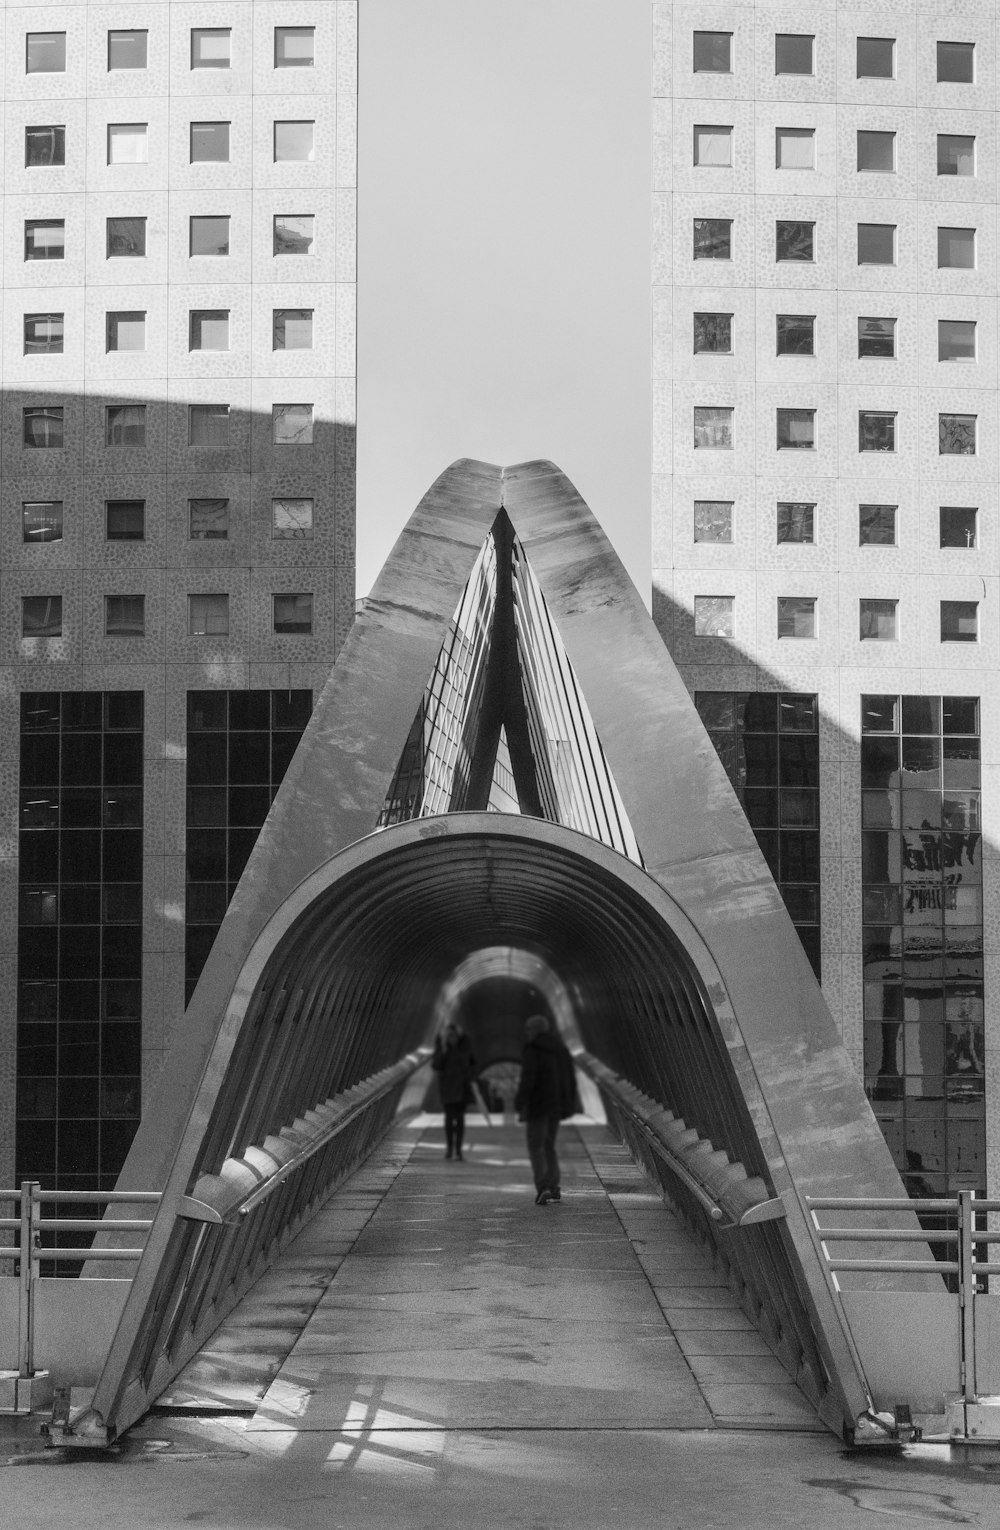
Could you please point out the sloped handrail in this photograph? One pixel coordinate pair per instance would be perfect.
(244, 1181)
(720, 1184)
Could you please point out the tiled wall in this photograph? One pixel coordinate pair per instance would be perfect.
(835, 570)
(250, 377)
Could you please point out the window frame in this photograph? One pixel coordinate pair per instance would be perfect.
(968, 511)
(201, 411)
(56, 519)
(197, 134)
(31, 226)
(793, 611)
(128, 624)
(878, 619)
(960, 355)
(799, 515)
(697, 68)
(957, 420)
(705, 135)
(785, 418)
(879, 75)
(713, 430)
(784, 136)
(124, 254)
(952, 614)
(289, 627)
(198, 319)
(291, 533)
(797, 37)
(875, 354)
(219, 619)
(293, 159)
(953, 165)
(869, 229)
(886, 420)
(285, 30)
(133, 32)
(196, 506)
(724, 605)
(876, 137)
(806, 323)
(954, 78)
(698, 252)
(206, 218)
(789, 223)
(136, 425)
(952, 229)
(45, 349)
(129, 511)
(58, 145)
(36, 37)
(113, 320)
(203, 32)
(876, 541)
(53, 627)
(120, 129)
(709, 330)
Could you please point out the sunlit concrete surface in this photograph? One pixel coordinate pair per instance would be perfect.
(436, 1350)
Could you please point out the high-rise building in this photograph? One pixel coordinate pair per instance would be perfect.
(825, 506)
(178, 509)
(178, 512)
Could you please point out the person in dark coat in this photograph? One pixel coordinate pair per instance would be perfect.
(546, 1095)
(455, 1067)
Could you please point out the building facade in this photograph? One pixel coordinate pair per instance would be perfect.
(177, 479)
(825, 507)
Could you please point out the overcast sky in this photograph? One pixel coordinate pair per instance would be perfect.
(503, 259)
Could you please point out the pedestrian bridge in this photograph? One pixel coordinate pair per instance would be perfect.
(506, 760)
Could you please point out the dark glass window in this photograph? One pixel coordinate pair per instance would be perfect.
(127, 50)
(877, 525)
(957, 435)
(713, 239)
(43, 334)
(713, 332)
(796, 429)
(958, 525)
(44, 238)
(293, 613)
(713, 520)
(124, 615)
(209, 234)
(959, 621)
(877, 337)
(876, 58)
(956, 63)
(294, 233)
(793, 52)
(45, 53)
(795, 521)
(210, 142)
(125, 425)
(45, 145)
(876, 430)
(796, 334)
(43, 425)
(713, 52)
(126, 237)
(794, 240)
(125, 520)
(42, 520)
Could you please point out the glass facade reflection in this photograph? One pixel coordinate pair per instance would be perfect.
(769, 743)
(923, 936)
(239, 745)
(502, 725)
(79, 986)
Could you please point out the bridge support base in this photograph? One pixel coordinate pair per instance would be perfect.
(976, 1422)
(25, 1394)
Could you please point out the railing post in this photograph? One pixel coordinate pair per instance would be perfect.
(28, 1276)
(967, 1291)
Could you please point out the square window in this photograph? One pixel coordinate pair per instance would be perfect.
(294, 141)
(126, 237)
(794, 240)
(292, 329)
(958, 525)
(209, 234)
(125, 520)
(292, 519)
(294, 233)
(956, 340)
(126, 330)
(796, 616)
(208, 615)
(41, 616)
(208, 425)
(713, 428)
(42, 425)
(713, 53)
(128, 143)
(211, 47)
(876, 58)
(713, 239)
(44, 145)
(43, 334)
(796, 429)
(956, 154)
(294, 47)
(795, 148)
(876, 430)
(877, 525)
(876, 151)
(208, 520)
(713, 145)
(714, 616)
(957, 435)
(42, 520)
(793, 52)
(877, 621)
(956, 63)
(796, 334)
(713, 333)
(292, 424)
(293, 613)
(959, 621)
(957, 249)
(127, 50)
(124, 615)
(44, 239)
(796, 521)
(876, 244)
(125, 425)
(876, 337)
(45, 53)
(208, 329)
(713, 520)
(210, 143)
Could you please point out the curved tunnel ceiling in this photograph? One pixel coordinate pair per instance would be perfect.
(368, 957)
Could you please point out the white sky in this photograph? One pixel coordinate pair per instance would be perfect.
(503, 254)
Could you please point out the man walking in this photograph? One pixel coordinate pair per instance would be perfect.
(546, 1095)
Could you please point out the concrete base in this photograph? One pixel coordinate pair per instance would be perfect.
(977, 1422)
(25, 1394)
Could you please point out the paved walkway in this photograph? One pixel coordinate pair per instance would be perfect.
(456, 1302)
(435, 1352)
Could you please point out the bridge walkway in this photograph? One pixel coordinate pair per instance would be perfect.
(430, 1295)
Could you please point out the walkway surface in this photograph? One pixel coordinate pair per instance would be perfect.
(436, 1350)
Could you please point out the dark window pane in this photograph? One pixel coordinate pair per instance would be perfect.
(123, 760)
(960, 714)
(713, 238)
(39, 760)
(248, 759)
(921, 714)
(206, 759)
(877, 525)
(249, 805)
(126, 237)
(291, 709)
(713, 332)
(249, 711)
(206, 855)
(80, 855)
(206, 806)
(958, 525)
(879, 761)
(794, 240)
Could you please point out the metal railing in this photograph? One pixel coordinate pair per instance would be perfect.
(962, 1270)
(30, 1253)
